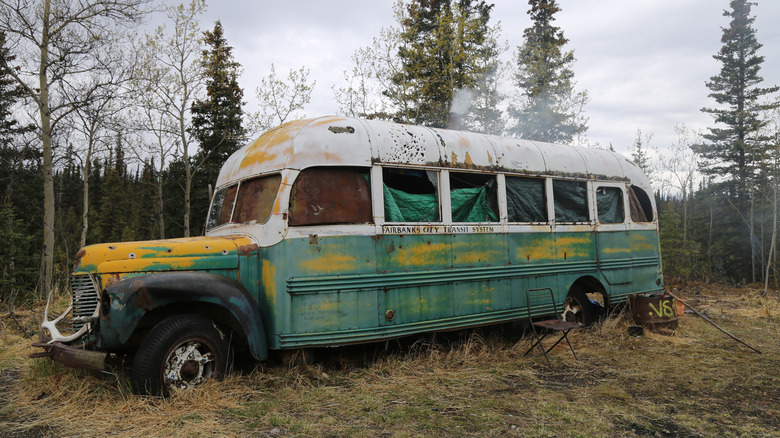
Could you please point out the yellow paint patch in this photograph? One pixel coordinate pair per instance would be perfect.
(454, 158)
(547, 249)
(329, 264)
(422, 254)
(468, 159)
(574, 246)
(640, 243)
(616, 250)
(269, 281)
(476, 256)
(179, 253)
(329, 306)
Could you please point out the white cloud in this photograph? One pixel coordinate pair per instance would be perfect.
(643, 62)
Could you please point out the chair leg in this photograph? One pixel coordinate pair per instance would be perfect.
(564, 336)
(570, 347)
(538, 342)
(557, 342)
(541, 347)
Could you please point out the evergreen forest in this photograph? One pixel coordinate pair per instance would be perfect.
(104, 140)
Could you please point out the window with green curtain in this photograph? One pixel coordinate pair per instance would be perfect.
(609, 203)
(570, 200)
(473, 197)
(411, 195)
(401, 206)
(471, 205)
(526, 200)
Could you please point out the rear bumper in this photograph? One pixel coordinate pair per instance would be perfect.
(72, 356)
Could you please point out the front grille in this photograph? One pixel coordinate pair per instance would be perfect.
(86, 298)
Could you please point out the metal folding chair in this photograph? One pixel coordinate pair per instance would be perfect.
(545, 298)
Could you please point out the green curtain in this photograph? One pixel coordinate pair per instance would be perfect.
(525, 200)
(571, 201)
(410, 207)
(471, 205)
(609, 201)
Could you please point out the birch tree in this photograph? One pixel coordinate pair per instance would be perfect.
(281, 99)
(56, 42)
(171, 78)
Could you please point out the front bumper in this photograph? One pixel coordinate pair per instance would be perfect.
(72, 356)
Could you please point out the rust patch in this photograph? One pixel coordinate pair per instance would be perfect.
(247, 249)
(79, 255)
(330, 196)
(142, 299)
(113, 279)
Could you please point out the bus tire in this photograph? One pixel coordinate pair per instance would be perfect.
(578, 308)
(180, 352)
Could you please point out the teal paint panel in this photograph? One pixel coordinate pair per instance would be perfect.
(615, 257)
(413, 252)
(481, 297)
(330, 256)
(333, 311)
(480, 250)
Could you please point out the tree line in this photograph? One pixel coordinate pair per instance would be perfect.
(105, 136)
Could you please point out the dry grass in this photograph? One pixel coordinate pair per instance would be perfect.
(697, 382)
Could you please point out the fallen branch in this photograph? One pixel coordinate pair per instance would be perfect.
(714, 325)
(18, 324)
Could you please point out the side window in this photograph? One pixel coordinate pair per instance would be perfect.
(256, 199)
(221, 206)
(609, 203)
(571, 201)
(526, 199)
(411, 195)
(473, 197)
(640, 205)
(331, 195)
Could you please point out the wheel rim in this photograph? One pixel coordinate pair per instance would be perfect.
(189, 363)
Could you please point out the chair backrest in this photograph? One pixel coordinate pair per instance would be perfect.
(542, 301)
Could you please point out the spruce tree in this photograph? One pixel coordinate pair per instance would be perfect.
(548, 109)
(216, 120)
(17, 263)
(734, 145)
(442, 42)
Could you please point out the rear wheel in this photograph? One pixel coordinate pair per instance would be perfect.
(180, 352)
(578, 308)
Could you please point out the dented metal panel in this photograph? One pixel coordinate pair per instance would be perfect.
(404, 144)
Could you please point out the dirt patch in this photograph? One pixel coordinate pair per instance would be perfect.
(571, 378)
(14, 427)
(656, 428)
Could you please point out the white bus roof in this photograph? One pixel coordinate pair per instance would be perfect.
(346, 141)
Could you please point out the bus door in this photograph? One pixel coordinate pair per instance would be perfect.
(613, 238)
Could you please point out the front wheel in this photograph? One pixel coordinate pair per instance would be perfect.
(180, 352)
(578, 308)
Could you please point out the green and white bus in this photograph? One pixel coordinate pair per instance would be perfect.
(337, 230)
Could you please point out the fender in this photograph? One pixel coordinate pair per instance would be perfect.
(128, 300)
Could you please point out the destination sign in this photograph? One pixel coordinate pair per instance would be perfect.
(437, 229)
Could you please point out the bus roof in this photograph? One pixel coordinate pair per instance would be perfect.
(346, 141)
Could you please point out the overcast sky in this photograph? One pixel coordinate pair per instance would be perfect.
(643, 62)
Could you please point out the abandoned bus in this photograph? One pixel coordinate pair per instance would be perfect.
(336, 230)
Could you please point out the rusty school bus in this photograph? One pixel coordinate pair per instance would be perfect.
(335, 230)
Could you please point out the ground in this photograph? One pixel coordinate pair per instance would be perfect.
(695, 382)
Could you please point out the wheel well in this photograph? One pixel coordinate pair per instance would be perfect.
(210, 311)
(589, 285)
